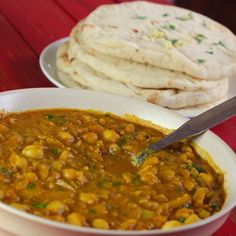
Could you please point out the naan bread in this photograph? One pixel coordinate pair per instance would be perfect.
(137, 74)
(197, 110)
(164, 36)
(171, 98)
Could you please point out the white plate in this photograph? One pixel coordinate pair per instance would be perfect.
(47, 61)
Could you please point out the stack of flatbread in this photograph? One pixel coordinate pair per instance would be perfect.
(166, 55)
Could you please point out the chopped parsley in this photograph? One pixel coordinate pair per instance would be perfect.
(140, 17)
(4, 171)
(200, 61)
(220, 44)
(54, 151)
(39, 205)
(56, 119)
(116, 183)
(210, 52)
(200, 37)
(169, 27)
(91, 211)
(185, 17)
(181, 220)
(31, 186)
(165, 14)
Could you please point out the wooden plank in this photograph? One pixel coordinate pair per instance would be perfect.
(74, 8)
(18, 64)
(39, 22)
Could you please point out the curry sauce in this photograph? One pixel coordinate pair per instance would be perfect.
(75, 166)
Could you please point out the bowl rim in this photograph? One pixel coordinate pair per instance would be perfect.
(47, 222)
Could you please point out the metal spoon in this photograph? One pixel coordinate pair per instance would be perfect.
(193, 127)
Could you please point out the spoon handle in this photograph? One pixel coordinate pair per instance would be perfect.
(193, 127)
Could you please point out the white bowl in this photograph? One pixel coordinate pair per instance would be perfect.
(21, 223)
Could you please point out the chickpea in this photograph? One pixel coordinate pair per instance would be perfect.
(90, 137)
(76, 219)
(130, 128)
(114, 148)
(34, 151)
(199, 196)
(110, 135)
(65, 136)
(183, 213)
(43, 171)
(191, 219)
(89, 198)
(31, 176)
(57, 207)
(69, 174)
(21, 207)
(128, 224)
(2, 194)
(204, 214)
(57, 165)
(100, 224)
(171, 224)
(17, 161)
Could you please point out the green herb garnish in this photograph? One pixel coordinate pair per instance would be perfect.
(116, 183)
(54, 151)
(169, 27)
(181, 220)
(210, 52)
(31, 186)
(165, 14)
(200, 37)
(200, 169)
(57, 119)
(219, 44)
(140, 17)
(4, 171)
(185, 17)
(200, 61)
(215, 206)
(124, 139)
(137, 181)
(39, 205)
(92, 211)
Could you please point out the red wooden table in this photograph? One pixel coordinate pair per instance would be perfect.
(27, 26)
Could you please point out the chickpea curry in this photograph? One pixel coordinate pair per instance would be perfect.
(75, 166)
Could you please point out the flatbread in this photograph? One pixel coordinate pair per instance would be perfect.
(137, 74)
(171, 98)
(164, 36)
(85, 76)
(197, 110)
